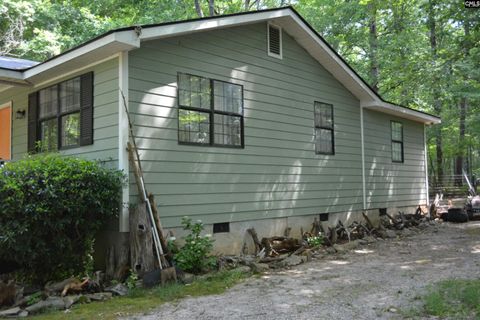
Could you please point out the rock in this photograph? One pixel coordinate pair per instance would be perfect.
(342, 248)
(259, 267)
(99, 296)
(331, 250)
(390, 234)
(70, 300)
(51, 302)
(370, 239)
(243, 269)
(407, 232)
(188, 278)
(290, 261)
(119, 289)
(10, 312)
(22, 314)
(307, 254)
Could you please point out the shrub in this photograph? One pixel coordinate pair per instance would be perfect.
(194, 256)
(51, 207)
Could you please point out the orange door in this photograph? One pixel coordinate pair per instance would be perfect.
(5, 132)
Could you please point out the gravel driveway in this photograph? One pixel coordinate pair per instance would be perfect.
(375, 281)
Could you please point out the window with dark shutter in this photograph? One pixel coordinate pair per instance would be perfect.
(397, 141)
(324, 137)
(274, 41)
(61, 116)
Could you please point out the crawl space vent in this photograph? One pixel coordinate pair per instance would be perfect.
(221, 227)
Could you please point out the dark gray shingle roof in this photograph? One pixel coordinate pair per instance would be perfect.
(15, 63)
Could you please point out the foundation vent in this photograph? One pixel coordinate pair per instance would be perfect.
(222, 227)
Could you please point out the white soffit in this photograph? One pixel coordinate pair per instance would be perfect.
(402, 112)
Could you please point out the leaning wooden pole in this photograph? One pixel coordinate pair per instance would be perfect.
(138, 172)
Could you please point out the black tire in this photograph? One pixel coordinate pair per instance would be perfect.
(457, 215)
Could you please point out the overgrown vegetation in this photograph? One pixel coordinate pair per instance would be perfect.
(143, 300)
(195, 256)
(459, 299)
(51, 207)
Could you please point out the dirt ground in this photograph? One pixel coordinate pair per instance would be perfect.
(376, 281)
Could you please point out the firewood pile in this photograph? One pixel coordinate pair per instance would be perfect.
(20, 301)
(285, 251)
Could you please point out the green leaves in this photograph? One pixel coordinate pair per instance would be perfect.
(194, 256)
(51, 207)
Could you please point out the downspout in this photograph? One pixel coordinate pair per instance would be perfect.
(364, 189)
(426, 163)
(123, 138)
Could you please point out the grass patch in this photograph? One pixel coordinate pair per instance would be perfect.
(458, 299)
(144, 300)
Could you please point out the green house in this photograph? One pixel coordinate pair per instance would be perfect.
(244, 120)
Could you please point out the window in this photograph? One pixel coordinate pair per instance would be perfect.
(324, 139)
(274, 40)
(210, 112)
(397, 141)
(61, 116)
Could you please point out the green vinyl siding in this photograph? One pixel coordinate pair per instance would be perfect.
(105, 145)
(389, 183)
(277, 174)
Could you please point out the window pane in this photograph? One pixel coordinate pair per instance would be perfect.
(323, 140)
(71, 130)
(49, 135)
(323, 115)
(70, 95)
(193, 91)
(397, 131)
(397, 151)
(48, 102)
(227, 97)
(228, 130)
(193, 126)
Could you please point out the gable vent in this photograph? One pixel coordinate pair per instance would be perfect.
(274, 41)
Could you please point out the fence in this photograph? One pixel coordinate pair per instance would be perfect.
(449, 185)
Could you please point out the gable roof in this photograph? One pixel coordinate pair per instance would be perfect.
(128, 38)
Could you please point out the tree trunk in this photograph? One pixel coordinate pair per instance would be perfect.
(373, 43)
(461, 142)
(211, 8)
(459, 160)
(141, 241)
(247, 5)
(437, 104)
(198, 8)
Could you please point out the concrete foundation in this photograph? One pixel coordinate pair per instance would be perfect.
(238, 240)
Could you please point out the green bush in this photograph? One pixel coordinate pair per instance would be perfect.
(51, 207)
(195, 256)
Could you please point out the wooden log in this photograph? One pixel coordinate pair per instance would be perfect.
(258, 245)
(158, 225)
(8, 293)
(367, 219)
(141, 241)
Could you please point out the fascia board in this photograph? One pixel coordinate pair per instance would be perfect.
(402, 112)
(123, 40)
(167, 31)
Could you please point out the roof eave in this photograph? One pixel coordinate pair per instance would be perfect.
(402, 112)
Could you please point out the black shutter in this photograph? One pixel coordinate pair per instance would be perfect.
(86, 109)
(32, 122)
